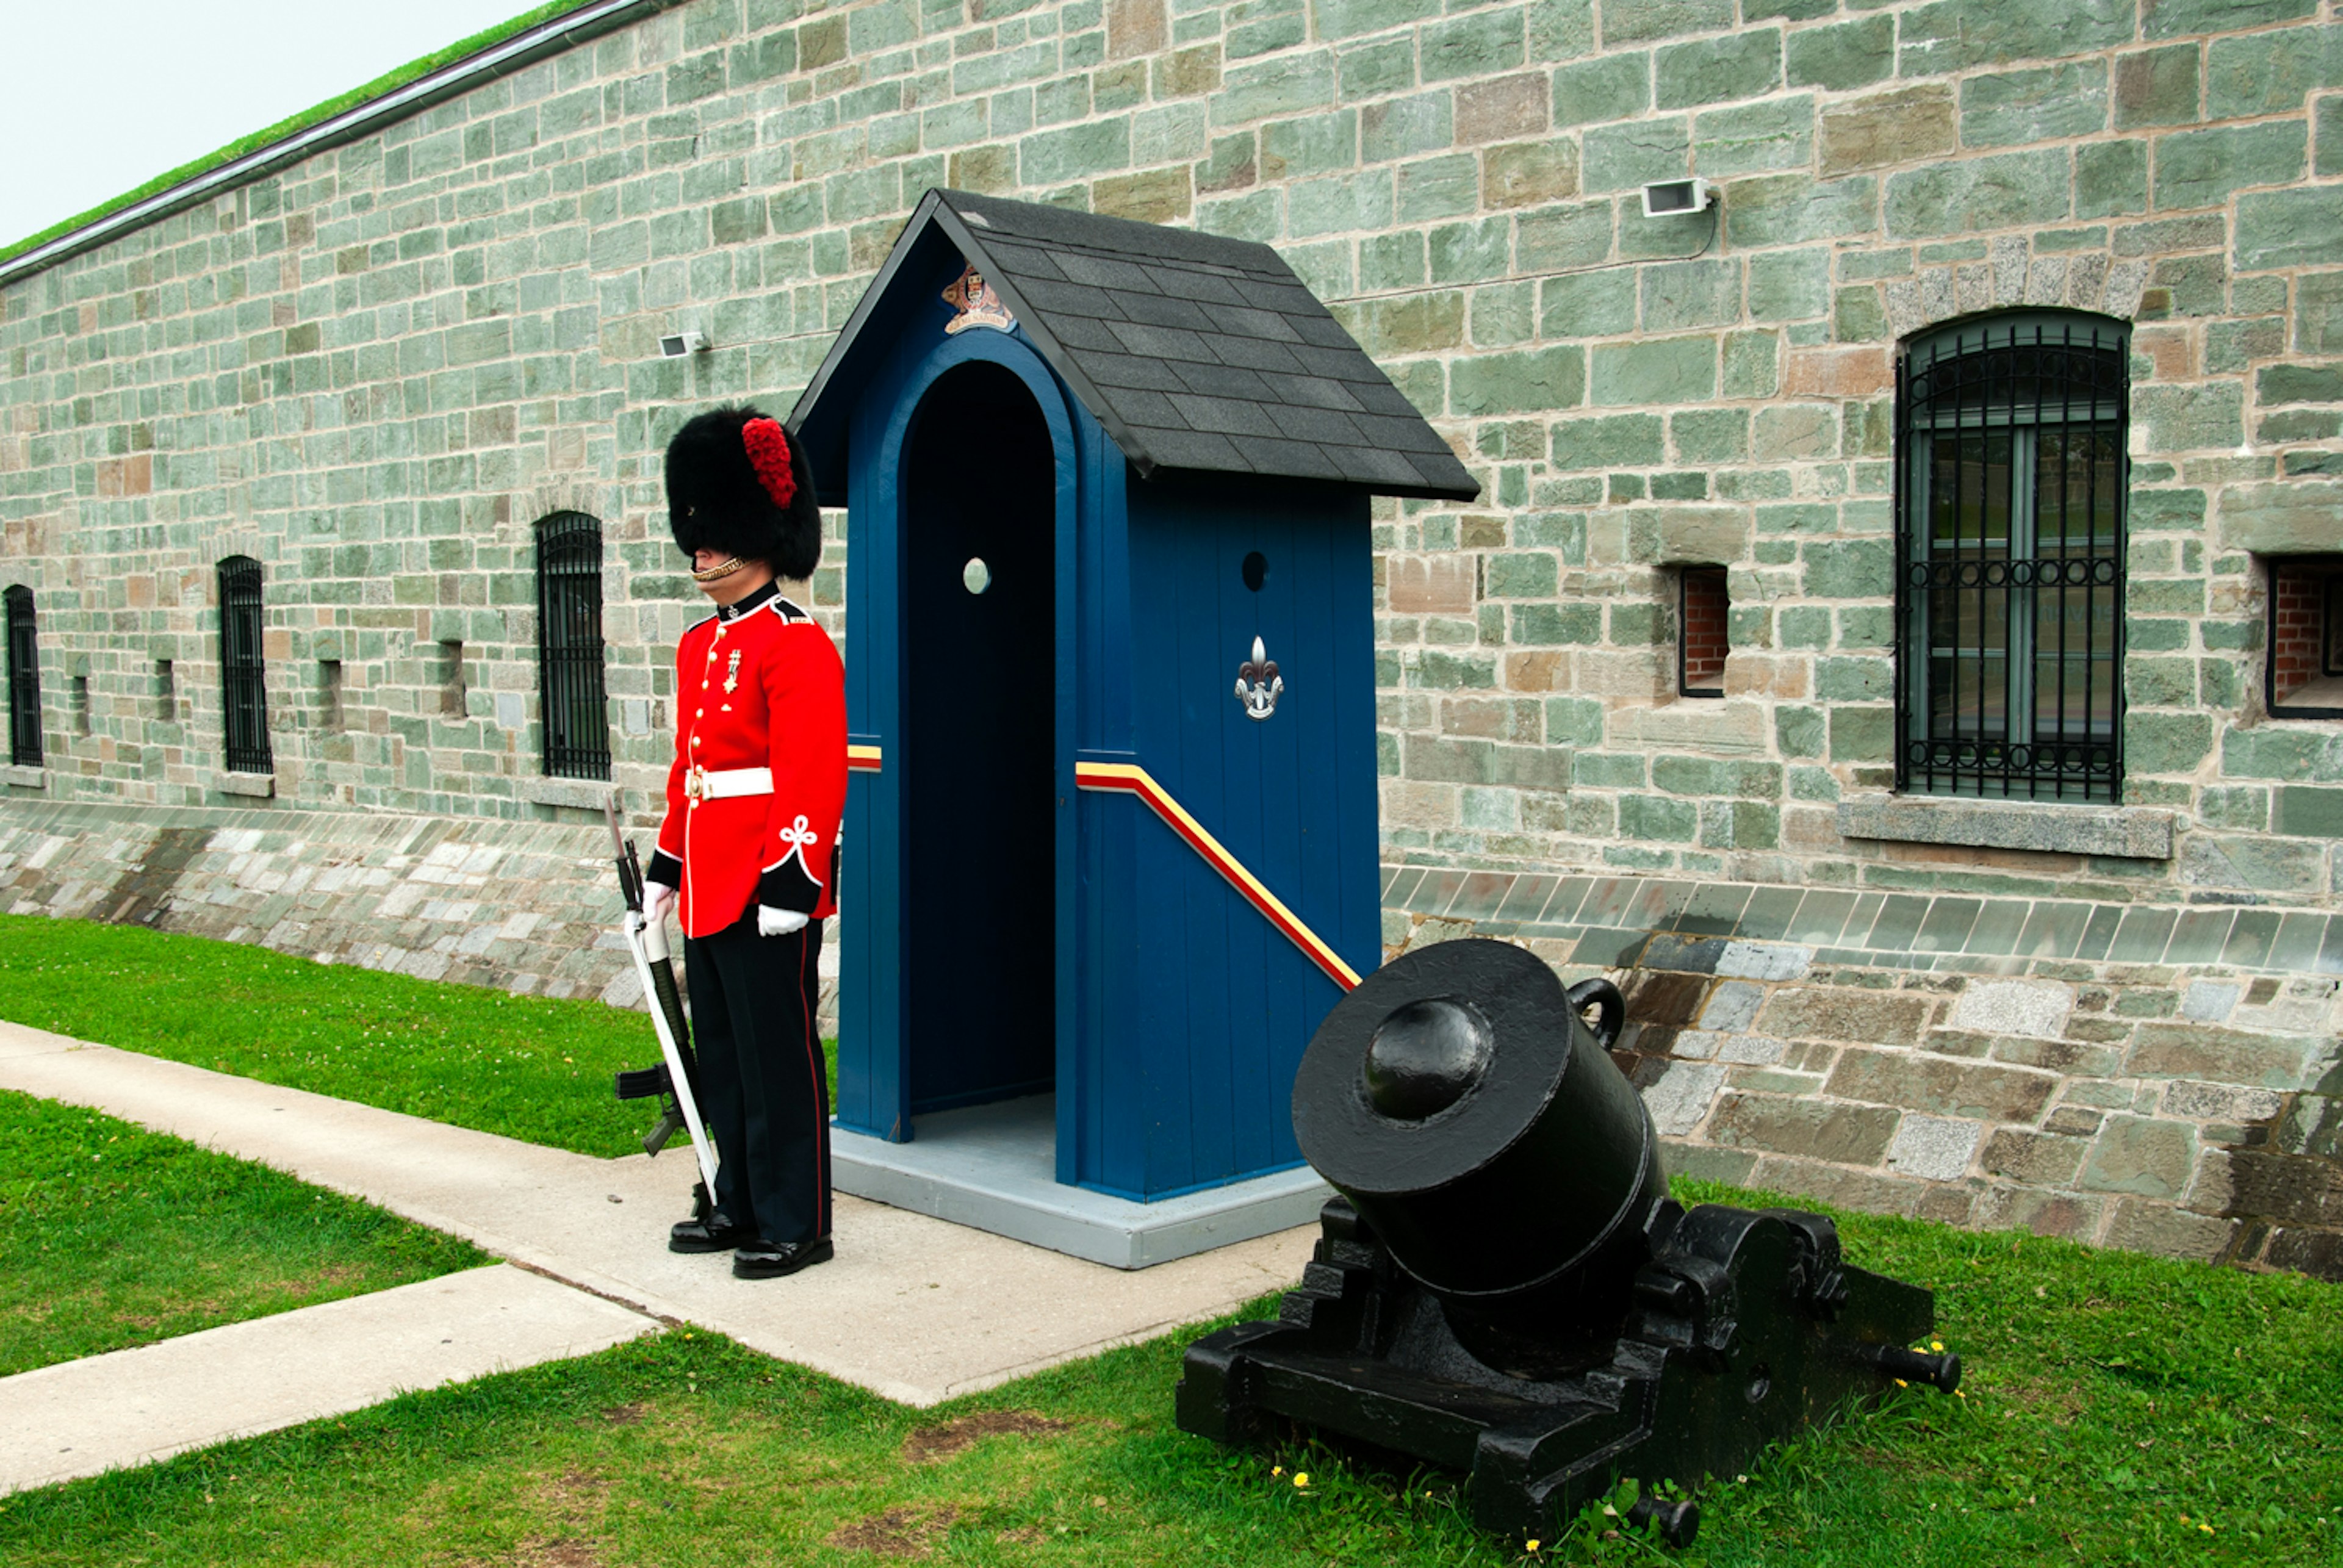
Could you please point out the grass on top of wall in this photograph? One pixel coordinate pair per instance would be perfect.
(2120, 1409)
(112, 1236)
(387, 82)
(531, 1068)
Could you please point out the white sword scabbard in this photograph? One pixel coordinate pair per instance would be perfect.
(638, 937)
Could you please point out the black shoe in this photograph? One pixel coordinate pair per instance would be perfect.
(771, 1259)
(714, 1234)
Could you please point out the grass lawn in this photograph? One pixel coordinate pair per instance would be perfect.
(112, 1236)
(2120, 1410)
(527, 1067)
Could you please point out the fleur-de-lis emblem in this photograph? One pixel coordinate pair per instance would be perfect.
(732, 673)
(1258, 684)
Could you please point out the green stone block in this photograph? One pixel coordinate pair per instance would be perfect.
(2299, 384)
(2236, 635)
(1639, 20)
(2270, 73)
(1951, 35)
(2236, 808)
(1625, 487)
(2220, 684)
(2153, 510)
(1406, 126)
(1850, 569)
(1338, 205)
(1611, 441)
(1797, 209)
(1665, 370)
(2309, 812)
(2156, 87)
(1529, 575)
(1754, 138)
(1640, 625)
(1388, 261)
(1708, 776)
(1657, 817)
(1805, 627)
(2167, 742)
(2165, 596)
(1741, 825)
(1751, 365)
(2328, 139)
(1853, 680)
(1356, 18)
(1587, 303)
(1628, 157)
(1537, 379)
(1438, 671)
(2159, 682)
(1798, 729)
(1740, 65)
(2006, 108)
(1561, 29)
(1554, 624)
(1443, 188)
(1679, 486)
(1799, 517)
(2110, 179)
(2317, 312)
(1265, 37)
(1862, 734)
(2179, 18)
(1846, 55)
(1611, 88)
(1688, 293)
(1558, 237)
(1574, 722)
(2230, 346)
(1371, 70)
(1710, 435)
(1599, 770)
(1478, 44)
(1978, 194)
(2189, 418)
(1314, 145)
(2157, 636)
(2204, 168)
(1265, 89)
(1790, 286)
(2300, 425)
(1049, 157)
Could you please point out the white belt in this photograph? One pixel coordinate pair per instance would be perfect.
(719, 783)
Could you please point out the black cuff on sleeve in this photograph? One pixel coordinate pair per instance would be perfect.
(665, 870)
(787, 887)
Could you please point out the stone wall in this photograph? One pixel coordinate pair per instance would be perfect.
(375, 370)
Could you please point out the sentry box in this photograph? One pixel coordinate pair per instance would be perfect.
(1109, 853)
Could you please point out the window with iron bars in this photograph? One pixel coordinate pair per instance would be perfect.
(569, 646)
(23, 680)
(242, 670)
(2010, 484)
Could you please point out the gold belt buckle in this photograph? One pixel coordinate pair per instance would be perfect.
(695, 786)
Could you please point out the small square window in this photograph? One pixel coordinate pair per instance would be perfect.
(1702, 609)
(2305, 636)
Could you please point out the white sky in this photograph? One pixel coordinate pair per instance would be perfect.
(96, 105)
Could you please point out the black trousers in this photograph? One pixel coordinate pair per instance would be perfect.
(762, 1090)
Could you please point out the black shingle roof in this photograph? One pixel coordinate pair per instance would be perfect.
(1194, 351)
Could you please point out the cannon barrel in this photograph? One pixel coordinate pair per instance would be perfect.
(1462, 1106)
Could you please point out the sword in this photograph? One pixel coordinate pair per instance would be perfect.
(672, 1079)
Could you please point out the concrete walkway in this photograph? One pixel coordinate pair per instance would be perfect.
(134, 1406)
(914, 1309)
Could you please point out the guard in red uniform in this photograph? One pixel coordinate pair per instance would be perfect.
(749, 852)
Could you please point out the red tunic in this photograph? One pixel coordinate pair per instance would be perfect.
(763, 688)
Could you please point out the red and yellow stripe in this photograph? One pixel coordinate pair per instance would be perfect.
(862, 760)
(1132, 780)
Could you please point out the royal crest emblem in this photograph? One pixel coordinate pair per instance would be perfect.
(977, 305)
(1259, 684)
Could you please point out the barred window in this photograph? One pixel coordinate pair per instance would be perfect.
(23, 680)
(569, 646)
(241, 668)
(2009, 559)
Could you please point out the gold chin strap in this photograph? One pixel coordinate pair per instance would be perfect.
(720, 571)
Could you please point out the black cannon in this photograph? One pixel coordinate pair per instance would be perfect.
(1503, 1285)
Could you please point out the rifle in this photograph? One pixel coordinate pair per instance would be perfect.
(673, 1079)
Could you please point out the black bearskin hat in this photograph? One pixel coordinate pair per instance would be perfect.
(739, 485)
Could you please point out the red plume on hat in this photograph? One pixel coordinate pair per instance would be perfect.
(737, 484)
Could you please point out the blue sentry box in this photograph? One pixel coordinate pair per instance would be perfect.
(1088, 465)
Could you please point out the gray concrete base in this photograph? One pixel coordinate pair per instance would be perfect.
(994, 1168)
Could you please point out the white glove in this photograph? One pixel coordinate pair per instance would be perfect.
(773, 922)
(658, 899)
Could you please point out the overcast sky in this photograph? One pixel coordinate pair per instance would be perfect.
(98, 104)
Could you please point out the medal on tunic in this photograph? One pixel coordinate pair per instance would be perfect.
(732, 672)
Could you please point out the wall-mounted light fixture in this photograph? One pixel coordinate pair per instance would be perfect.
(675, 344)
(1668, 198)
